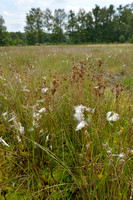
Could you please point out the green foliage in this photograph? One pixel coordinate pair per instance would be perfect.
(101, 25)
(34, 26)
(47, 157)
(3, 33)
(121, 39)
(130, 39)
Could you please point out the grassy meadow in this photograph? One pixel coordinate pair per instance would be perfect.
(66, 122)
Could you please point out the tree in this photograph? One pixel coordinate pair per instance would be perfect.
(58, 24)
(71, 26)
(48, 19)
(81, 25)
(89, 27)
(3, 32)
(34, 26)
(48, 23)
(96, 12)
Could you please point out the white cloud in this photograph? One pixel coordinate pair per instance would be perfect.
(14, 22)
(24, 2)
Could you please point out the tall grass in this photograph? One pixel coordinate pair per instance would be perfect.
(57, 141)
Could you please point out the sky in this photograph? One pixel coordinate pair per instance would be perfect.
(14, 11)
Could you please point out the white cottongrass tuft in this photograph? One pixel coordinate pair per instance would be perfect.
(81, 125)
(3, 142)
(25, 89)
(31, 129)
(36, 124)
(109, 151)
(19, 127)
(112, 116)
(130, 151)
(79, 116)
(44, 90)
(121, 155)
(18, 77)
(18, 138)
(96, 87)
(44, 77)
(79, 112)
(42, 110)
(4, 115)
(37, 115)
(40, 100)
(47, 138)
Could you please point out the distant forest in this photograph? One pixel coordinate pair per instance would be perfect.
(101, 25)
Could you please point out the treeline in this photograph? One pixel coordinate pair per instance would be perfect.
(101, 25)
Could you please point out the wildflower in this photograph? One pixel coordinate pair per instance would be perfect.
(44, 90)
(121, 129)
(81, 125)
(132, 120)
(3, 142)
(100, 176)
(112, 116)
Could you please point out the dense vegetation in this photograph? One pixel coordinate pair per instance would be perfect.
(101, 25)
(66, 122)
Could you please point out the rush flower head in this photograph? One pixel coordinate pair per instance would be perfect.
(112, 116)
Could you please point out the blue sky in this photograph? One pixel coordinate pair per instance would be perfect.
(14, 11)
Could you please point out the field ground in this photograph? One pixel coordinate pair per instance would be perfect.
(66, 122)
